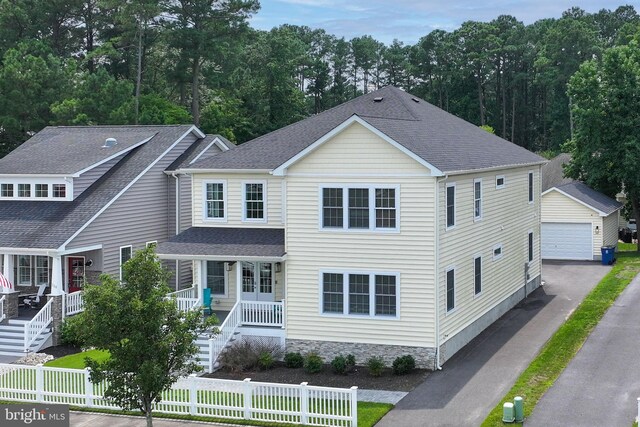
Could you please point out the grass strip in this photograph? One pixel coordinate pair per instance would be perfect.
(568, 339)
(76, 361)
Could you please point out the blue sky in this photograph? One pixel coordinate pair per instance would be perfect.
(408, 20)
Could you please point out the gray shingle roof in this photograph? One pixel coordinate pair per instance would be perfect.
(223, 241)
(185, 159)
(442, 139)
(591, 197)
(553, 172)
(65, 150)
(48, 224)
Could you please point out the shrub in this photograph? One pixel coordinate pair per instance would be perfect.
(293, 360)
(313, 363)
(351, 362)
(266, 360)
(404, 364)
(249, 354)
(339, 365)
(376, 366)
(72, 331)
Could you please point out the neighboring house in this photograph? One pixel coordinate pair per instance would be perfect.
(383, 226)
(76, 202)
(576, 219)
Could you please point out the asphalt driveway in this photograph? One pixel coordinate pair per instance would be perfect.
(473, 381)
(601, 384)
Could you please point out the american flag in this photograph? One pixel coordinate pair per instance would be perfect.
(5, 283)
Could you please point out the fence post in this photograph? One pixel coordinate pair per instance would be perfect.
(247, 397)
(193, 394)
(304, 403)
(354, 406)
(39, 383)
(88, 388)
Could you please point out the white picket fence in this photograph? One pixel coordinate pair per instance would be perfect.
(74, 303)
(209, 397)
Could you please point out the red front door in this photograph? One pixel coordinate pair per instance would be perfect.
(76, 274)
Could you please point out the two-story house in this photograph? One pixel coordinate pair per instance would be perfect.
(383, 226)
(76, 202)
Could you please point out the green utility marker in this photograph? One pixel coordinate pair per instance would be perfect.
(507, 413)
(518, 406)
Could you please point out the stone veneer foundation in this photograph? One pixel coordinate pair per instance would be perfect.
(425, 356)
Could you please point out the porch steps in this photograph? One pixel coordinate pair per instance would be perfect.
(12, 338)
(203, 354)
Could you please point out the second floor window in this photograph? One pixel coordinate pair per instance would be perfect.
(359, 208)
(254, 201)
(477, 199)
(59, 190)
(451, 205)
(6, 190)
(24, 190)
(214, 195)
(42, 190)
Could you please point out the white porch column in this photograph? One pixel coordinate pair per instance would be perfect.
(198, 276)
(56, 275)
(7, 271)
(238, 281)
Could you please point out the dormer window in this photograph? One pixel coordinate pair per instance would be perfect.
(6, 190)
(59, 190)
(24, 190)
(37, 189)
(42, 190)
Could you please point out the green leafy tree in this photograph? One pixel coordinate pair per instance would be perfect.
(605, 106)
(150, 341)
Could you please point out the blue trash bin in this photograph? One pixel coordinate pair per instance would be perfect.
(608, 254)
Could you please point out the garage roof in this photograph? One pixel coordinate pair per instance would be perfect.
(586, 195)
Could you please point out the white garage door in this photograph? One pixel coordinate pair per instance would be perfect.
(566, 240)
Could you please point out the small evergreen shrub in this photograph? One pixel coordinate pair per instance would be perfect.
(376, 366)
(339, 365)
(351, 362)
(72, 331)
(313, 363)
(293, 360)
(266, 361)
(404, 364)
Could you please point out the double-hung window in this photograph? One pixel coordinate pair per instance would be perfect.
(216, 277)
(477, 199)
(530, 187)
(42, 270)
(366, 207)
(451, 289)
(477, 274)
(254, 204)
(451, 205)
(359, 294)
(530, 246)
(24, 270)
(126, 252)
(215, 206)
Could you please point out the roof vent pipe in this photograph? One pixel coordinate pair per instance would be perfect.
(378, 99)
(109, 142)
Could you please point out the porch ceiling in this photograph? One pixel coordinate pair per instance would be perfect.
(228, 243)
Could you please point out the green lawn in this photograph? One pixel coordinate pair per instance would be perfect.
(76, 361)
(627, 247)
(567, 340)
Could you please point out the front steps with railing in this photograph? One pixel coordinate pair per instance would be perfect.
(12, 338)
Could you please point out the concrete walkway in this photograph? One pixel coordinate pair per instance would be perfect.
(476, 378)
(88, 419)
(381, 396)
(601, 384)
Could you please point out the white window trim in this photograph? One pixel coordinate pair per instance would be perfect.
(244, 201)
(226, 279)
(446, 206)
(479, 217)
(31, 181)
(479, 294)
(455, 296)
(530, 177)
(372, 208)
(497, 257)
(504, 182)
(120, 257)
(19, 281)
(205, 218)
(345, 291)
(152, 242)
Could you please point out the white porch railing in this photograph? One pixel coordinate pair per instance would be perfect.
(187, 299)
(2, 300)
(36, 326)
(262, 313)
(208, 397)
(225, 333)
(74, 303)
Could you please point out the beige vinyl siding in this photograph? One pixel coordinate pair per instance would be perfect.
(610, 229)
(507, 217)
(357, 156)
(557, 207)
(234, 200)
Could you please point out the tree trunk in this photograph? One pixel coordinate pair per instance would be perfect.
(480, 102)
(504, 109)
(149, 417)
(513, 115)
(139, 71)
(195, 91)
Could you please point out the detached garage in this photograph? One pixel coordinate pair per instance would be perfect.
(577, 221)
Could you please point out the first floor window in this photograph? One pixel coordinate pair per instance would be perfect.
(42, 190)
(215, 200)
(451, 289)
(530, 246)
(360, 294)
(6, 190)
(254, 201)
(126, 252)
(59, 190)
(24, 270)
(42, 270)
(216, 277)
(24, 190)
(477, 274)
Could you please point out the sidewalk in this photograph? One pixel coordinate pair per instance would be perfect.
(601, 384)
(90, 419)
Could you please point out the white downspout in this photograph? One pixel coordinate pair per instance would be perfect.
(177, 227)
(437, 267)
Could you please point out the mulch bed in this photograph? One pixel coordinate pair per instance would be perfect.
(61, 350)
(359, 377)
